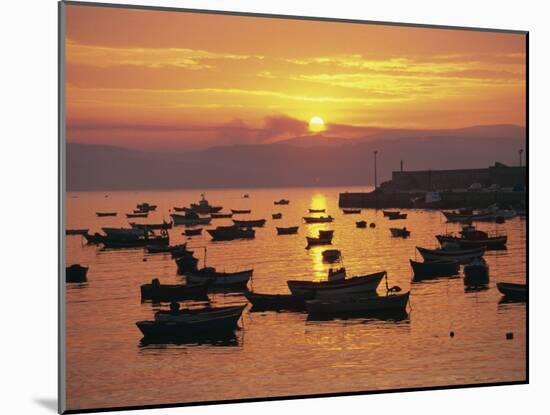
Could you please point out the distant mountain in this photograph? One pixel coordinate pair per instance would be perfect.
(315, 160)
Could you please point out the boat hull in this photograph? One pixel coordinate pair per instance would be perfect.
(182, 220)
(339, 288)
(76, 274)
(221, 279)
(370, 304)
(276, 301)
(461, 256)
(514, 292)
(164, 292)
(434, 269)
(288, 231)
(463, 243)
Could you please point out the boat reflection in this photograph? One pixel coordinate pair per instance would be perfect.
(193, 340)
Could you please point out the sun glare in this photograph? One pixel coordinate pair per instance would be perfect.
(316, 124)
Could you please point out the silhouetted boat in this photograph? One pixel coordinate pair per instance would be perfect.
(337, 287)
(156, 249)
(331, 255)
(372, 225)
(434, 268)
(351, 211)
(204, 207)
(513, 291)
(276, 301)
(96, 238)
(460, 255)
(476, 273)
(389, 214)
(76, 273)
(102, 214)
(240, 211)
(175, 323)
(372, 303)
(249, 223)
(470, 237)
(145, 207)
(189, 219)
(76, 231)
(173, 292)
(282, 202)
(329, 233)
(400, 232)
(490, 213)
(143, 241)
(152, 226)
(246, 196)
(277, 216)
(319, 240)
(193, 232)
(124, 233)
(137, 215)
(221, 215)
(317, 210)
(229, 233)
(288, 231)
(220, 279)
(361, 224)
(399, 216)
(321, 219)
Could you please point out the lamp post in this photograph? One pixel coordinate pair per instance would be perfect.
(375, 152)
(520, 151)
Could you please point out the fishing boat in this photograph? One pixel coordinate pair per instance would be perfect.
(229, 233)
(157, 249)
(288, 231)
(124, 233)
(361, 224)
(192, 232)
(276, 301)
(94, 239)
(282, 202)
(145, 207)
(319, 240)
(321, 219)
(513, 291)
(337, 287)
(189, 219)
(277, 216)
(470, 237)
(389, 214)
(329, 233)
(490, 213)
(175, 323)
(221, 215)
(460, 255)
(173, 292)
(76, 273)
(400, 232)
(476, 273)
(152, 226)
(434, 269)
(317, 210)
(137, 215)
(76, 231)
(204, 207)
(372, 225)
(103, 214)
(241, 211)
(398, 216)
(185, 261)
(237, 279)
(372, 303)
(246, 196)
(351, 211)
(249, 223)
(142, 241)
(331, 255)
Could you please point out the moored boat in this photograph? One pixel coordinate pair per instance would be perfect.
(189, 219)
(275, 301)
(249, 223)
(321, 219)
(287, 231)
(221, 215)
(204, 207)
(389, 214)
(398, 216)
(434, 269)
(460, 255)
(337, 287)
(470, 237)
(513, 291)
(145, 207)
(103, 214)
(361, 224)
(319, 240)
(176, 323)
(361, 304)
(241, 211)
(173, 292)
(124, 233)
(229, 233)
(192, 232)
(76, 273)
(152, 226)
(155, 249)
(142, 241)
(351, 211)
(237, 279)
(400, 232)
(282, 202)
(476, 273)
(137, 215)
(331, 255)
(277, 216)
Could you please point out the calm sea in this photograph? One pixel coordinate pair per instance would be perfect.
(283, 353)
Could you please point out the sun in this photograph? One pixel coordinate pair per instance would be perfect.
(316, 124)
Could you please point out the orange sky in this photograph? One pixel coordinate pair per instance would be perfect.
(152, 79)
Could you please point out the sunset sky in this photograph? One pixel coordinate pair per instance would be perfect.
(168, 80)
